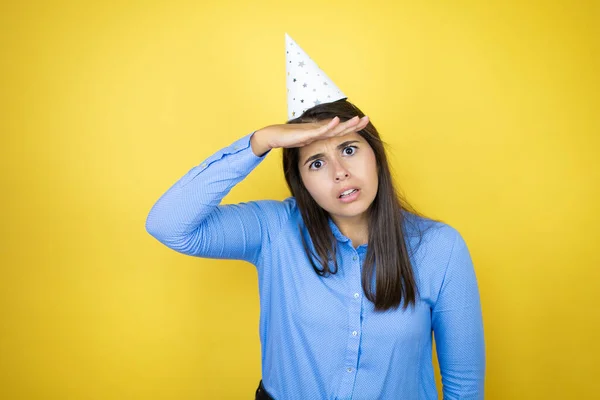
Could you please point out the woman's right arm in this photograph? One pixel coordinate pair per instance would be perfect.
(188, 217)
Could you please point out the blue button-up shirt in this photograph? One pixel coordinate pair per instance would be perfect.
(320, 336)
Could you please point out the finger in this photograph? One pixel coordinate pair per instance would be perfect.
(351, 123)
(333, 123)
(352, 126)
(312, 132)
(363, 122)
(324, 130)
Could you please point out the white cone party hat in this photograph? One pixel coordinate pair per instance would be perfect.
(307, 85)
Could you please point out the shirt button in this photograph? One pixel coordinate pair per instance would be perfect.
(236, 147)
(203, 165)
(354, 333)
(349, 369)
(354, 258)
(356, 295)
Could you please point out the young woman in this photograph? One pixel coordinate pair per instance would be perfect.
(352, 280)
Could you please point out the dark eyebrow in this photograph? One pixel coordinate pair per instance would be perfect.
(340, 146)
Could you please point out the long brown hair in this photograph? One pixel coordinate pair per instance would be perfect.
(387, 254)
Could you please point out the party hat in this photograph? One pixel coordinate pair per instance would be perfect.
(307, 85)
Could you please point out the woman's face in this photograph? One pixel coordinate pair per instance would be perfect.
(340, 173)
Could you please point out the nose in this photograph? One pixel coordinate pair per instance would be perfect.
(341, 173)
(341, 177)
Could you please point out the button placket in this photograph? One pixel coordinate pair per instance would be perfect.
(355, 305)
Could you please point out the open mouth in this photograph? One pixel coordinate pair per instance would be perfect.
(347, 193)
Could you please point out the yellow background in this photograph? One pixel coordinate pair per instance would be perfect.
(490, 112)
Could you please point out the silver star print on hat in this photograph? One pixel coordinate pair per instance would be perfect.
(307, 85)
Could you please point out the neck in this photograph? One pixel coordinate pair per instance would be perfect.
(355, 228)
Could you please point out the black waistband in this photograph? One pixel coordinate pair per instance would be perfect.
(261, 393)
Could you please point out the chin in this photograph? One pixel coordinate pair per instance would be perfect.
(350, 211)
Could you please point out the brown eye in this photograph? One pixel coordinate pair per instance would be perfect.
(316, 164)
(350, 150)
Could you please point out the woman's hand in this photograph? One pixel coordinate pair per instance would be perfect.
(298, 135)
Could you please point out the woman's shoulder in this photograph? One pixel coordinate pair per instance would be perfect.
(435, 235)
(288, 203)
